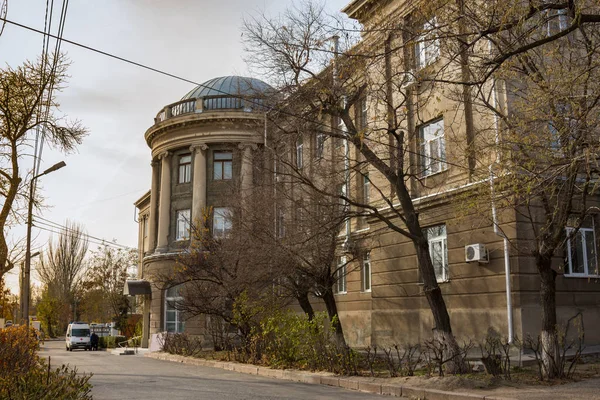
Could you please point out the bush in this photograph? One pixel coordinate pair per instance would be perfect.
(180, 343)
(23, 375)
(110, 342)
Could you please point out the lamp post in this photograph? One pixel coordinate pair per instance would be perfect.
(27, 270)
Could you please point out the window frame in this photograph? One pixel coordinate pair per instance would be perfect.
(221, 214)
(319, 145)
(299, 153)
(179, 323)
(425, 42)
(185, 169)
(443, 239)
(364, 276)
(222, 163)
(366, 188)
(183, 216)
(569, 260)
(426, 159)
(341, 286)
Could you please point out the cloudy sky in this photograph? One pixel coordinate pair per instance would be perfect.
(117, 102)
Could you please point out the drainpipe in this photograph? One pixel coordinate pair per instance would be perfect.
(497, 231)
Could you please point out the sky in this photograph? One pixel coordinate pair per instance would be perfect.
(117, 102)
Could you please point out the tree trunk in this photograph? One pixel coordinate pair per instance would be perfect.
(549, 339)
(331, 306)
(305, 304)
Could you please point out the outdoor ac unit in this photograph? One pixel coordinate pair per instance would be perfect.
(476, 253)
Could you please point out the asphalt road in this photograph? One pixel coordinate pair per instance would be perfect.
(137, 377)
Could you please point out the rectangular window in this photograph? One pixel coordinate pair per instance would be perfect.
(319, 145)
(173, 319)
(183, 225)
(222, 165)
(366, 273)
(280, 223)
(340, 276)
(366, 188)
(556, 21)
(581, 253)
(221, 222)
(428, 44)
(438, 250)
(185, 168)
(299, 153)
(433, 147)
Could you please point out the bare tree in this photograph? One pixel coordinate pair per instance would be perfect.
(25, 106)
(62, 266)
(295, 49)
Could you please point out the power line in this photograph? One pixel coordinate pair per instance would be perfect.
(95, 239)
(284, 112)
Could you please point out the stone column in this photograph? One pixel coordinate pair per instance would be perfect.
(153, 209)
(199, 183)
(146, 321)
(164, 210)
(246, 168)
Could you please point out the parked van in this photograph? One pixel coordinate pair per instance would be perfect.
(78, 336)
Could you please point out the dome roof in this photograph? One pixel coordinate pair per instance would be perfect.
(229, 86)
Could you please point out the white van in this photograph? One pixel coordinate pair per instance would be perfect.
(78, 336)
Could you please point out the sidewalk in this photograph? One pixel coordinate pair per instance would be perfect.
(364, 384)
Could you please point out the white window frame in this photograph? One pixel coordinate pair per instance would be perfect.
(225, 166)
(433, 134)
(183, 224)
(586, 263)
(366, 273)
(427, 49)
(185, 169)
(179, 323)
(441, 238)
(221, 223)
(556, 20)
(299, 153)
(340, 275)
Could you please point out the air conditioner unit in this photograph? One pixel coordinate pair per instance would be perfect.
(476, 253)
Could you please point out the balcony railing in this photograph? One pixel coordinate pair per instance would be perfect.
(211, 103)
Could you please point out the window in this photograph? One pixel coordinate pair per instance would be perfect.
(280, 223)
(299, 153)
(221, 222)
(173, 319)
(222, 165)
(428, 44)
(183, 224)
(433, 147)
(555, 20)
(340, 276)
(365, 273)
(319, 145)
(366, 184)
(581, 253)
(185, 168)
(438, 250)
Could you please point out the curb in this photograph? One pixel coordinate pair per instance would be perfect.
(329, 380)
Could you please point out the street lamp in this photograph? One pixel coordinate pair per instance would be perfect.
(27, 271)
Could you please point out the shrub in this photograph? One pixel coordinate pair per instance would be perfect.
(181, 344)
(23, 375)
(18, 351)
(110, 342)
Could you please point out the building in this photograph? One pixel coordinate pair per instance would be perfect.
(484, 281)
(202, 151)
